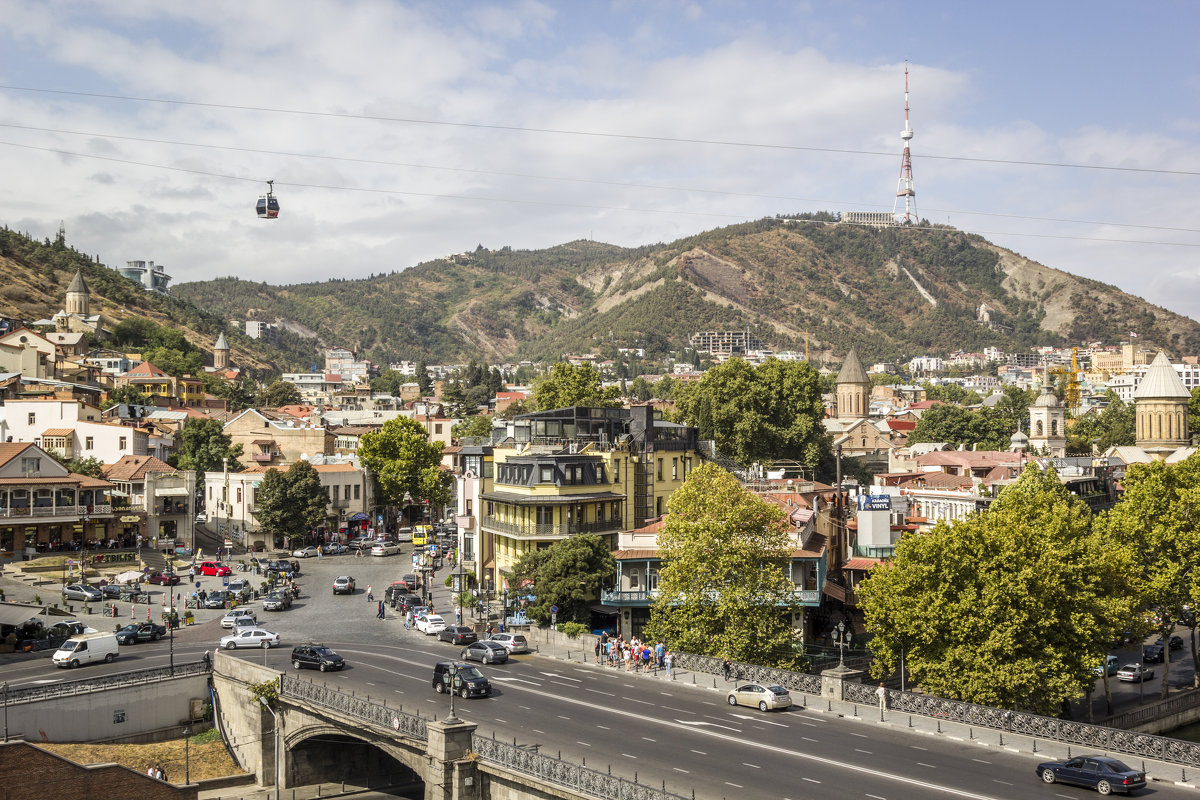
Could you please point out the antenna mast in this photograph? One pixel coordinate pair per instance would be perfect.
(904, 187)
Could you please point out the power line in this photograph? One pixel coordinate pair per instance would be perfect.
(620, 184)
(595, 134)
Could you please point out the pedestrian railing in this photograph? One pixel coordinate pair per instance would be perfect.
(1172, 705)
(106, 682)
(361, 708)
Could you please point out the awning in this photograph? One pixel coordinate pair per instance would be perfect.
(604, 610)
(18, 615)
(836, 592)
(550, 499)
(173, 491)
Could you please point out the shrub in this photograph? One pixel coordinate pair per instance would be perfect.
(572, 629)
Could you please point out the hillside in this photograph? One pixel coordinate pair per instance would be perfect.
(892, 292)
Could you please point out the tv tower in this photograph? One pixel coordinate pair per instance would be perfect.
(904, 187)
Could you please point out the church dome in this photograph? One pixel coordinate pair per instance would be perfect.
(1161, 382)
(1019, 441)
(1047, 399)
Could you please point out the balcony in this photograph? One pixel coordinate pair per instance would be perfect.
(265, 458)
(339, 503)
(874, 550)
(56, 512)
(807, 597)
(546, 530)
(614, 597)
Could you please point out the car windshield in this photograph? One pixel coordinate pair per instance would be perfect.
(68, 646)
(324, 651)
(776, 689)
(469, 673)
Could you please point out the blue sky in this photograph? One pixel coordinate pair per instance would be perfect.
(1100, 83)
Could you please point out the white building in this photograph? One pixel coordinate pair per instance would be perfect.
(72, 429)
(1125, 385)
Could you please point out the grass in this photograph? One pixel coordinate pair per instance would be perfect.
(206, 757)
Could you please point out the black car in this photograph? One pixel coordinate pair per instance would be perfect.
(140, 632)
(485, 653)
(1153, 654)
(1101, 773)
(468, 681)
(216, 600)
(277, 601)
(316, 656)
(1176, 642)
(111, 591)
(457, 634)
(406, 602)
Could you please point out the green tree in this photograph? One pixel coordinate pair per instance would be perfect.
(291, 503)
(90, 466)
(1011, 607)
(723, 587)
(388, 383)
(204, 446)
(422, 378)
(665, 388)
(1158, 518)
(1194, 407)
(279, 393)
(639, 389)
(766, 413)
(403, 460)
(479, 425)
(984, 429)
(175, 362)
(134, 332)
(1013, 408)
(569, 385)
(238, 395)
(514, 408)
(1113, 427)
(569, 574)
(454, 397)
(129, 394)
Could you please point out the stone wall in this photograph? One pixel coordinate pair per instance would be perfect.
(32, 773)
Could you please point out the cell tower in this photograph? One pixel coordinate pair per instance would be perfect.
(904, 187)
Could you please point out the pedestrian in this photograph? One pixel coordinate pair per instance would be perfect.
(881, 693)
(150, 770)
(370, 592)
(726, 667)
(162, 775)
(597, 651)
(380, 615)
(668, 662)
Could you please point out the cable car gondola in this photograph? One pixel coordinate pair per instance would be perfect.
(268, 206)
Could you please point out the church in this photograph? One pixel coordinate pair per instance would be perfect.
(1161, 418)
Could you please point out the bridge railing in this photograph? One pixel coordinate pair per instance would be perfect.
(105, 682)
(361, 708)
(565, 773)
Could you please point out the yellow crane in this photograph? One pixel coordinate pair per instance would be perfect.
(1070, 380)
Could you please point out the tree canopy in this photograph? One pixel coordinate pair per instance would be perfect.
(763, 413)
(403, 460)
(1113, 427)
(129, 394)
(292, 502)
(569, 574)
(568, 384)
(723, 587)
(203, 445)
(279, 393)
(985, 429)
(1012, 607)
(479, 425)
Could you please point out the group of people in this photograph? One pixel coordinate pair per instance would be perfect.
(157, 772)
(634, 654)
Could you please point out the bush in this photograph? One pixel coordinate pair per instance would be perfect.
(572, 629)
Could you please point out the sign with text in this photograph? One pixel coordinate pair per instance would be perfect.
(874, 502)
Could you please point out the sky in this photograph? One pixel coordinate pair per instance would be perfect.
(399, 132)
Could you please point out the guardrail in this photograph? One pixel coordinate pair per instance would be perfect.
(1180, 702)
(361, 708)
(104, 683)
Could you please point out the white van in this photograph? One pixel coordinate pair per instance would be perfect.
(85, 649)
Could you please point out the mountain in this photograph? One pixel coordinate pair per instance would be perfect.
(892, 292)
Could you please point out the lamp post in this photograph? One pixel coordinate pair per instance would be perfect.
(4, 687)
(841, 638)
(267, 706)
(452, 720)
(187, 756)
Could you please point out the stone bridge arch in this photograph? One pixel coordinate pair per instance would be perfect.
(330, 753)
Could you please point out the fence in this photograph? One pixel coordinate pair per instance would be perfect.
(1172, 705)
(105, 682)
(361, 708)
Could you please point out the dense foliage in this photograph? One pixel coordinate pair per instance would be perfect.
(291, 503)
(569, 574)
(568, 384)
(404, 461)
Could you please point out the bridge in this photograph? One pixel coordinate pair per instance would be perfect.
(328, 735)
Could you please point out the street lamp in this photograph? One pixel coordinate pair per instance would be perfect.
(267, 706)
(841, 638)
(187, 756)
(452, 720)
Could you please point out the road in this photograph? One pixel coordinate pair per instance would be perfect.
(672, 732)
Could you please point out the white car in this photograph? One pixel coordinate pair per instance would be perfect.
(385, 549)
(430, 624)
(311, 551)
(230, 620)
(512, 642)
(255, 637)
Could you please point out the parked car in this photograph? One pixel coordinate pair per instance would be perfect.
(385, 549)
(457, 634)
(512, 642)
(165, 578)
(411, 581)
(184, 552)
(1101, 773)
(316, 656)
(276, 602)
(334, 548)
(140, 632)
(430, 624)
(462, 679)
(213, 568)
(111, 591)
(1110, 665)
(233, 614)
(82, 591)
(404, 602)
(484, 652)
(255, 637)
(1175, 641)
(240, 589)
(216, 600)
(71, 627)
(762, 696)
(404, 535)
(307, 552)
(1153, 654)
(1134, 673)
(343, 584)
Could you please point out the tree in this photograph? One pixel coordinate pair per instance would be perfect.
(766, 413)
(723, 587)
(130, 395)
(238, 395)
(639, 389)
(1113, 427)
(204, 447)
(403, 460)
(388, 383)
(984, 429)
(291, 503)
(1158, 518)
(569, 574)
(1194, 406)
(454, 398)
(423, 380)
(514, 408)
(134, 332)
(279, 393)
(479, 425)
(1011, 607)
(568, 384)
(90, 466)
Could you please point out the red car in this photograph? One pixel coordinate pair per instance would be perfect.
(213, 568)
(164, 578)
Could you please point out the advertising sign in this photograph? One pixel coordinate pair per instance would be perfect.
(874, 502)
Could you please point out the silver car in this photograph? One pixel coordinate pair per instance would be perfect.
(82, 591)
(762, 696)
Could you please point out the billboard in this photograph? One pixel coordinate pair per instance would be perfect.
(874, 502)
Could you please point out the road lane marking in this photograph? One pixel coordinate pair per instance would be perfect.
(981, 761)
(559, 675)
(923, 764)
(734, 785)
(597, 691)
(868, 752)
(997, 780)
(635, 700)
(876, 797)
(748, 764)
(604, 727)
(713, 724)
(859, 735)
(648, 739)
(812, 780)
(809, 739)
(563, 716)
(681, 769)
(629, 756)
(915, 747)
(678, 710)
(700, 752)
(585, 744)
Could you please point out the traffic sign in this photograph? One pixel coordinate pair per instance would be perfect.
(553, 609)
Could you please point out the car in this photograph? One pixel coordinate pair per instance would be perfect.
(213, 568)
(286, 568)
(276, 602)
(183, 552)
(430, 624)
(140, 632)
(307, 552)
(82, 591)
(1176, 642)
(1134, 673)
(411, 581)
(763, 696)
(405, 602)
(111, 591)
(1104, 774)
(165, 578)
(255, 637)
(240, 589)
(404, 535)
(457, 634)
(244, 623)
(343, 584)
(316, 656)
(233, 614)
(216, 600)
(334, 548)
(1153, 654)
(1110, 665)
(462, 679)
(385, 549)
(512, 642)
(71, 627)
(484, 652)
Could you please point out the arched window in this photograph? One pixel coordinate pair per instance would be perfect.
(1039, 427)
(1054, 427)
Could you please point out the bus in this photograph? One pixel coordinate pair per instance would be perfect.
(421, 535)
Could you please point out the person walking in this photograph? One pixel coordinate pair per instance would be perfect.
(370, 593)
(381, 614)
(668, 662)
(881, 693)
(726, 667)
(597, 651)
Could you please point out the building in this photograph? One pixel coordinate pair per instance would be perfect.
(153, 382)
(266, 331)
(221, 353)
(1048, 422)
(150, 277)
(724, 343)
(76, 314)
(1161, 410)
(153, 499)
(270, 439)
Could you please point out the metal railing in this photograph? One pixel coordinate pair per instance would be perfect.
(106, 682)
(548, 529)
(55, 511)
(1172, 705)
(360, 708)
(565, 773)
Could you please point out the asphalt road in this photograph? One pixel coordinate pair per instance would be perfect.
(672, 732)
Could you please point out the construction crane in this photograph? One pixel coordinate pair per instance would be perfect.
(1070, 380)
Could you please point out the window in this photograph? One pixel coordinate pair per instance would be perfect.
(30, 465)
(122, 442)
(634, 579)
(660, 465)
(88, 443)
(437, 429)
(600, 512)
(224, 494)
(658, 506)
(32, 418)
(210, 492)
(674, 469)
(546, 475)
(1039, 427)
(545, 515)
(254, 496)
(616, 471)
(652, 580)
(356, 488)
(469, 504)
(239, 495)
